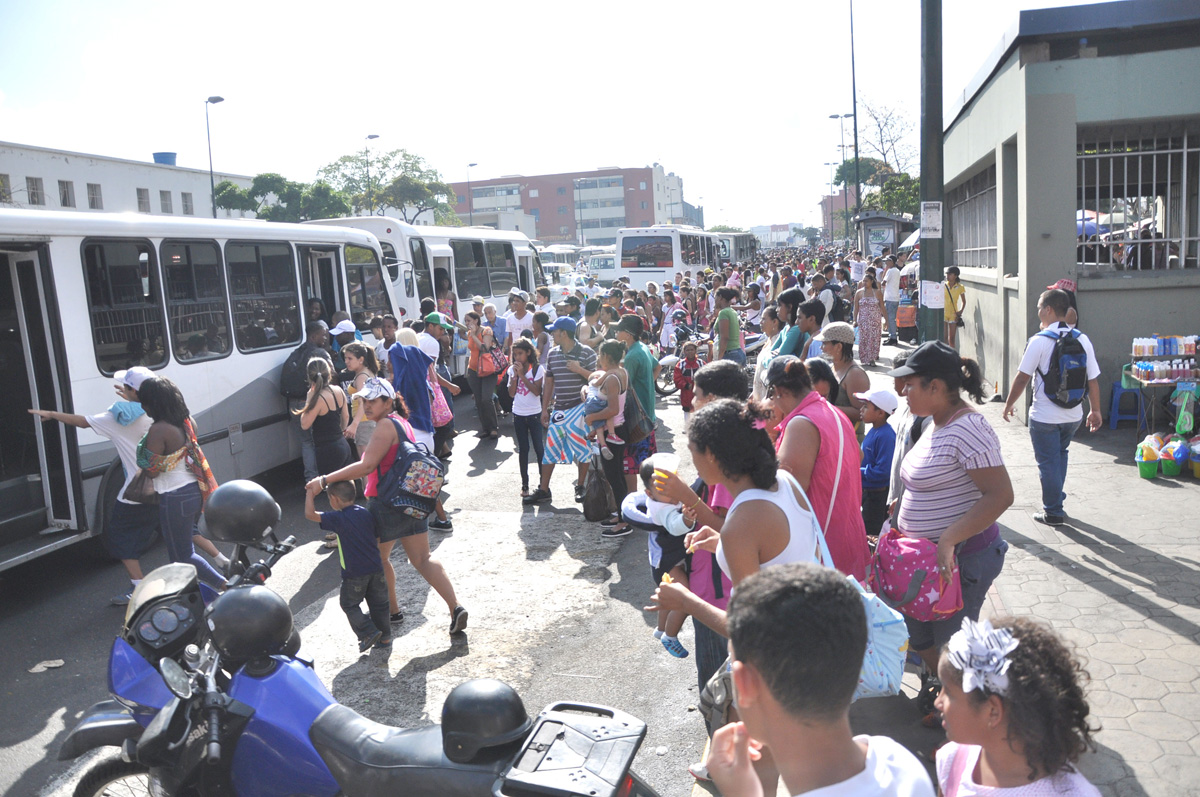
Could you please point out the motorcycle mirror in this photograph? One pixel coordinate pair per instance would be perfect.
(176, 679)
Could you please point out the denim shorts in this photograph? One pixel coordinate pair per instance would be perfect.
(978, 570)
(394, 524)
(130, 530)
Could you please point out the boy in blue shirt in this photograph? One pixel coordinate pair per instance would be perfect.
(877, 449)
(358, 553)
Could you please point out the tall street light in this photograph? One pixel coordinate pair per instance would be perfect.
(831, 165)
(212, 183)
(845, 195)
(470, 196)
(854, 101)
(370, 195)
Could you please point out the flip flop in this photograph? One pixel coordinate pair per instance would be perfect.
(331, 537)
(330, 544)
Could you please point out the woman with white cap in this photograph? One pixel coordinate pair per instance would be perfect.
(390, 412)
(837, 343)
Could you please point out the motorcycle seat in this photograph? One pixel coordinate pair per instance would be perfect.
(368, 758)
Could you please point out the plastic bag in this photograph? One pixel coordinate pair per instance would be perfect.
(598, 500)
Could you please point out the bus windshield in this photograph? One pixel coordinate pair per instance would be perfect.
(649, 251)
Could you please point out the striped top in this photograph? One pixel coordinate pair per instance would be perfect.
(937, 488)
(567, 383)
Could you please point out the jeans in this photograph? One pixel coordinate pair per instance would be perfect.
(614, 471)
(308, 449)
(1050, 441)
(891, 308)
(482, 388)
(711, 651)
(736, 355)
(977, 570)
(373, 588)
(874, 508)
(179, 512)
(527, 428)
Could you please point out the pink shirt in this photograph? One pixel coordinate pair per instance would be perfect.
(843, 527)
(1061, 784)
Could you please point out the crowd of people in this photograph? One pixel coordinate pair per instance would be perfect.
(792, 450)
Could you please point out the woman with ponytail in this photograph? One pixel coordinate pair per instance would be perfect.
(326, 414)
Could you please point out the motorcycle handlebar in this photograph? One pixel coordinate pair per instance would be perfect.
(260, 571)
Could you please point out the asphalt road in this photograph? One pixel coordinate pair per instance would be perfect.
(555, 611)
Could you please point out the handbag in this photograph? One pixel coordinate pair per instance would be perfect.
(638, 425)
(442, 413)
(716, 697)
(598, 499)
(904, 574)
(459, 348)
(141, 489)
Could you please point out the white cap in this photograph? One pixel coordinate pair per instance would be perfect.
(885, 400)
(134, 377)
(343, 327)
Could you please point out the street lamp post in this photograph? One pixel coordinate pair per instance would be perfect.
(845, 195)
(470, 196)
(854, 101)
(370, 195)
(212, 183)
(831, 165)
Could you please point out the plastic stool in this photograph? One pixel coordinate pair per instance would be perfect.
(1114, 412)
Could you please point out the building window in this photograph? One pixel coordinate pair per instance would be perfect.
(185, 199)
(1135, 207)
(33, 188)
(164, 201)
(143, 196)
(533, 193)
(536, 213)
(66, 193)
(5, 189)
(461, 198)
(642, 185)
(266, 301)
(196, 309)
(562, 210)
(562, 191)
(123, 301)
(973, 221)
(645, 205)
(95, 198)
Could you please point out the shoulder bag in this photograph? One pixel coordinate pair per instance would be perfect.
(638, 425)
(141, 489)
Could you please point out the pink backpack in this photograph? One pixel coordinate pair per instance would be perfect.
(904, 574)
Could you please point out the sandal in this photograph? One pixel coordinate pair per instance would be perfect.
(330, 544)
(331, 537)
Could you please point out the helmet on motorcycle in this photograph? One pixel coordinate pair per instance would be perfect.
(479, 714)
(240, 511)
(249, 622)
(679, 316)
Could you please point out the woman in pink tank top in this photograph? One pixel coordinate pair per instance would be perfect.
(816, 444)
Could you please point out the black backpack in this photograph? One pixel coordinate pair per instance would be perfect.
(1065, 381)
(293, 380)
(414, 481)
(840, 309)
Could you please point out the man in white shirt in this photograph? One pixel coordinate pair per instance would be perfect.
(1051, 425)
(891, 298)
(794, 696)
(517, 319)
(542, 303)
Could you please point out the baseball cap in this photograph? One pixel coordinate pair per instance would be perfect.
(375, 388)
(440, 320)
(885, 400)
(134, 377)
(564, 324)
(343, 327)
(933, 359)
(838, 332)
(1062, 285)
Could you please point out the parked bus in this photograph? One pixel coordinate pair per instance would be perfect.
(738, 247)
(477, 260)
(654, 254)
(216, 306)
(567, 254)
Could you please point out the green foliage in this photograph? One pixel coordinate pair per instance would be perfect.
(293, 201)
(871, 171)
(811, 233)
(725, 228)
(399, 180)
(446, 217)
(901, 193)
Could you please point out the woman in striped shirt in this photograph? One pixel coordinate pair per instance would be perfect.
(955, 484)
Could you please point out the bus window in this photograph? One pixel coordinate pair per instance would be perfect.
(126, 313)
(646, 251)
(420, 259)
(390, 261)
(196, 309)
(470, 268)
(368, 296)
(266, 304)
(502, 267)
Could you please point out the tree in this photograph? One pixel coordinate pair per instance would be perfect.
(811, 233)
(900, 193)
(399, 180)
(725, 228)
(272, 197)
(888, 134)
(870, 172)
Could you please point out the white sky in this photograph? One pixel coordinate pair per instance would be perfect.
(733, 97)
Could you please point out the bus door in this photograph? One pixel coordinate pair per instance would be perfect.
(38, 495)
(321, 274)
(422, 266)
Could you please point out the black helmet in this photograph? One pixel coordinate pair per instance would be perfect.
(249, 622)
(240, 511)
(479, 714)
(679, 315)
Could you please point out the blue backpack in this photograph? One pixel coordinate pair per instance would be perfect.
(1065, 381)
(414, 481)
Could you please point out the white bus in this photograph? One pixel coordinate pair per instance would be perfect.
(216, 306)
(738, 247)
(567, 254)
(476, 260)
(654, 254)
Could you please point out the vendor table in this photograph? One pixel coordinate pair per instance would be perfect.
(1150, 397)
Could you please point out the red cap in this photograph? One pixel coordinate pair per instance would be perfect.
(1062, 285)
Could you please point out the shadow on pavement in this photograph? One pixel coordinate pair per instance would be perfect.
(359, 688)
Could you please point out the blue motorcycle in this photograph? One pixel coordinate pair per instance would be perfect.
(212, 699)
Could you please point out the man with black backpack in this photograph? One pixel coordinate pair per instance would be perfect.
(1061, 363)
(293, 383)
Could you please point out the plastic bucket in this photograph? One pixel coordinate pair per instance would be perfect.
(1196, 468)
(1147, 470)
(1170, 467)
